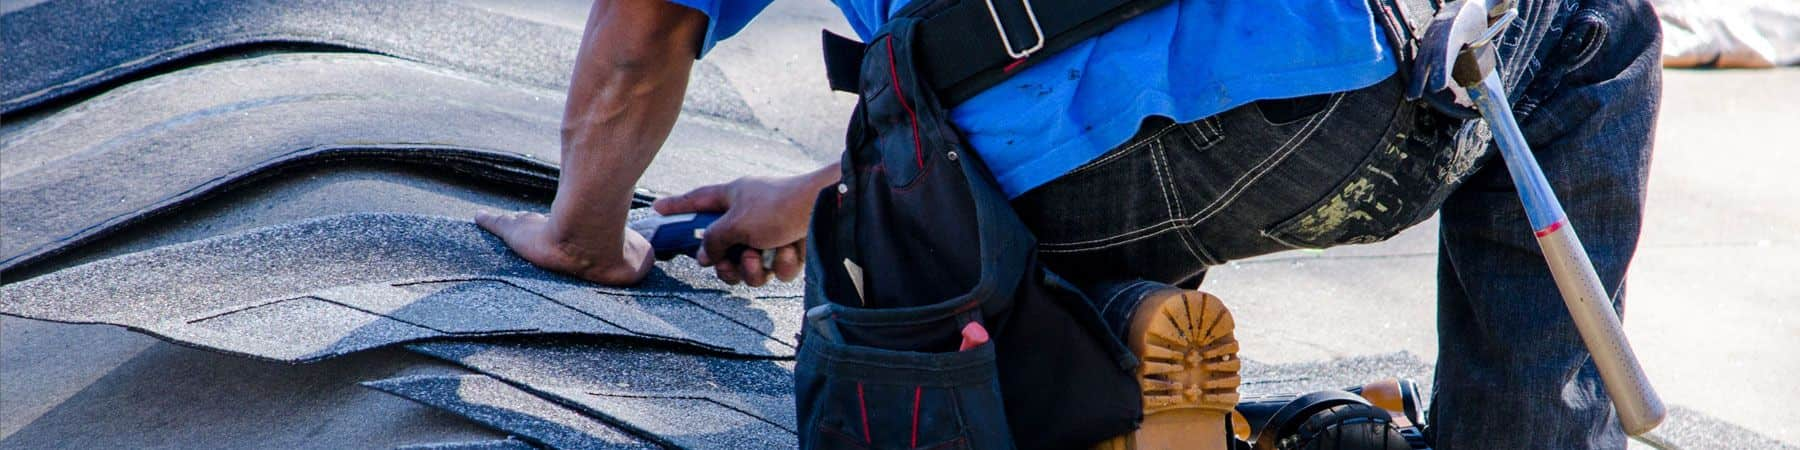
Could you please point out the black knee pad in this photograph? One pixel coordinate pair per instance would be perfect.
(1324, 420)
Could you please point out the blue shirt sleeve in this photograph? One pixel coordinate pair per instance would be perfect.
(727, 17)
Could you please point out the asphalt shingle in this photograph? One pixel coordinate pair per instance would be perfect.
(70, 47)
(210, 128)
(686, 400)
(172, 397)
(302, 193)
(374, 279)
(493, 403)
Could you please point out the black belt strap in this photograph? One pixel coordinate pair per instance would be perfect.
(960, 49)
(1403, 21)
(961, 53)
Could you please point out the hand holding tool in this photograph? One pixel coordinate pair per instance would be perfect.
(682, 234)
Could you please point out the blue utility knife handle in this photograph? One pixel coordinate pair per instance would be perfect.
(681, 234)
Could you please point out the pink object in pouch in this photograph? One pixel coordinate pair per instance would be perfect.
(973, 335)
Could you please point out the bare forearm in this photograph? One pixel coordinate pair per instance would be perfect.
(824, 176)
(630, 76)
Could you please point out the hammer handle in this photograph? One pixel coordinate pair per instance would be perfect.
(1638, 406)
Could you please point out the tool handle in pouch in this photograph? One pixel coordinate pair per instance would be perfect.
(854, 391)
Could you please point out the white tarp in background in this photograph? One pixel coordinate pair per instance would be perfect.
(1730, 33)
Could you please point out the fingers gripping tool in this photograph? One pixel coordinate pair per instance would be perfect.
(684, 234)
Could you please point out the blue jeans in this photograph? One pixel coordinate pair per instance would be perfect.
(1354, 167)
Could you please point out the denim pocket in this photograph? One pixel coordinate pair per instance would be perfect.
(1285, 111)
(1402, 180)
(858, 397)
(892, 115)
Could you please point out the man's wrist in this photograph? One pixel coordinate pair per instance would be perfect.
(823, 177)
(586, 234)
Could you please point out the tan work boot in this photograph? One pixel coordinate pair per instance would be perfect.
(1188, 372)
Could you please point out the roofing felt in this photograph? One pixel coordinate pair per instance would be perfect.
(372, 280)
(501, 406)
(75, 172)
(69, 47)
(683, 399)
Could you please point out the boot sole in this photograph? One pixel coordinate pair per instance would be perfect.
(1188, 372)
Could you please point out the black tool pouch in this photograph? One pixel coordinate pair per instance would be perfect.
(913, 246)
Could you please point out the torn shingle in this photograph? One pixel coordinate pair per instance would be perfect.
(214, 127)
(687, 400)
(506, 408)
(325, 287)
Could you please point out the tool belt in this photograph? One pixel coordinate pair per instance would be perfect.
(915, 256)
(931, 322)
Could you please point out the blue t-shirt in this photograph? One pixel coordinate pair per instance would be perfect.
(1185, 61)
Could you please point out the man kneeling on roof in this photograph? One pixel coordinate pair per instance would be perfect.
(1145, 143)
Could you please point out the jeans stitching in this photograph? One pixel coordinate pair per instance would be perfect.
(1237, 188)
(1523, 55)
(1159, 229)
(1202, 134)
(1172, 203)
(1277, 238)
(1528, 45)
(1393, 136)
(1104, 307)
(1129, 149)
(1262, 169)
(1193, 129)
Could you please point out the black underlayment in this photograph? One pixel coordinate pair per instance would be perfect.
(321, 288)
(503, 407)
(61, 49)
(684, 399)
(77, 175)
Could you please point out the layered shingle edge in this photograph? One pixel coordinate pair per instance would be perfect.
(319, 288)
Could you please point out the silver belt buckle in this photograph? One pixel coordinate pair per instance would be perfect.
(1007, 42)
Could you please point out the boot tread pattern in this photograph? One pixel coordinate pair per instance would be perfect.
(1188, 352)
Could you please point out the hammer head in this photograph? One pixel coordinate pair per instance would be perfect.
(1457, 46)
